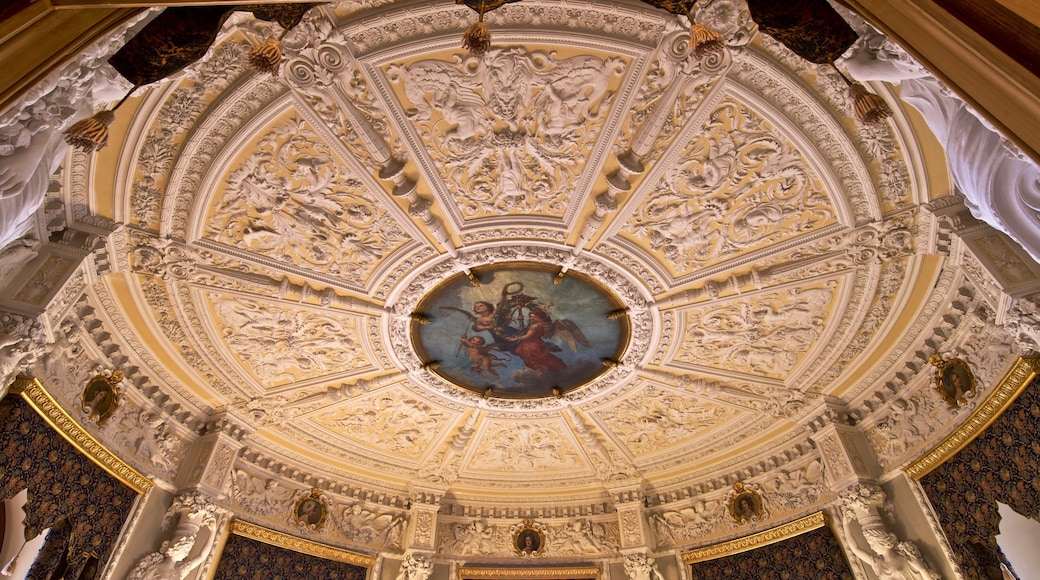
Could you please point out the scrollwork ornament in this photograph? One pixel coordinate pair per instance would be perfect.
(311, 510)
(101, 397)
(953, 380)
(529, 539)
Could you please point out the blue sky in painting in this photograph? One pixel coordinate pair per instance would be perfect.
(573, 299)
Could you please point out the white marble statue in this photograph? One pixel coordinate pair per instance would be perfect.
(174, 561)
(1002, 186)
(31, 142)
(887, 556)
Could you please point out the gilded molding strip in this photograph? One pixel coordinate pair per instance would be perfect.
(1010, 387)
(533, 573)
(268, 536)
(34, 393)
(771, 536)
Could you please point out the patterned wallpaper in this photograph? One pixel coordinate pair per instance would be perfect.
(815, 554)
(247, 559)
(1000, 465)
(61, 482)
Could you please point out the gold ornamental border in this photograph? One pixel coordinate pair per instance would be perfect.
(770, 536)
(1009, 388)
(570, 573)
(34, 393)
(269, 536)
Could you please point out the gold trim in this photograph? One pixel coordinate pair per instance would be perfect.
(268, 536)
(771, 536)
(534, 573)
(1010, 387)
(34, 393)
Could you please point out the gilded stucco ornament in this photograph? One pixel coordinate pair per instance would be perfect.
(311, 510)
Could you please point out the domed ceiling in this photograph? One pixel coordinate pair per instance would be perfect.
(716, 243)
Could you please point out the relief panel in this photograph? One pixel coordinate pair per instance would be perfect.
(279, 344)
(291, 200)
(509, 133)
(765, 334)
(654, 420)
(737, 186)
(391, 421)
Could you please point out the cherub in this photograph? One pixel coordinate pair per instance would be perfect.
(484, 362)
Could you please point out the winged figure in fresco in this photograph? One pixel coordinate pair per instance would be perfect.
(522, 325)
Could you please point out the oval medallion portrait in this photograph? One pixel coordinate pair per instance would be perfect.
(521, 333)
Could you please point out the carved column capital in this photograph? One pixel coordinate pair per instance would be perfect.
(847, 456)
(213, 456)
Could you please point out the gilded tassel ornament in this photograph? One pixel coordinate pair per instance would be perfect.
(704, 41)
(91, 134)
(870, 108)
(266, 57)
(477, 38)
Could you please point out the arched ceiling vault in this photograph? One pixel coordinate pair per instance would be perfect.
(771, 251)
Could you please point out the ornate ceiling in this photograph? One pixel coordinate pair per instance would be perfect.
(282, 230)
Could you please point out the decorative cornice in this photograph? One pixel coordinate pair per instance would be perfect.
(34, 393)
(771, 536)
(539, 573)
(1011, 386)
(267, 536)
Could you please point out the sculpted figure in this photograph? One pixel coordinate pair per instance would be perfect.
(641, 567)
(889, 558)
(1002, 187)
(31, 144)
(415, 567)
(173, 561)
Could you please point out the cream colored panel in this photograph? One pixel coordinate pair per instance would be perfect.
(738, 185)
(524, 447)
(655, 421)
(290, 199)
(509, 133)
(279, 344)
(765, 334)
(390, 421)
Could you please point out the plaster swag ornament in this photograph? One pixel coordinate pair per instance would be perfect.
(195, 517)
(887, 556)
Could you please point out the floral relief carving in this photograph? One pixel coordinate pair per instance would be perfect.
(362, 525)
(738, 185)
(680, 525)
(654, 421)
(281, 345)
(578, 537)
(509, 131)
(765, 334)
(257, 495)
(291, 201)
(389, 421)
(526, 447)
(909, 423)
